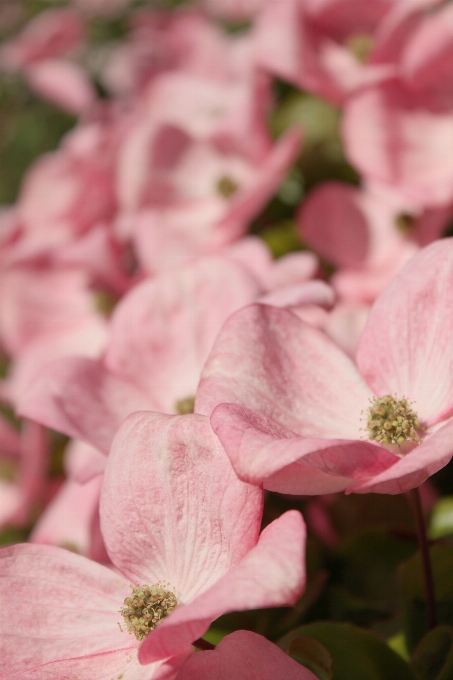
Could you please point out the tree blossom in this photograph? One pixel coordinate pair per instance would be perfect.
(244, 655)
(174, 516)
(297, 415)
(367, 233)
(161, 333)
(335, 47)
(399, 133)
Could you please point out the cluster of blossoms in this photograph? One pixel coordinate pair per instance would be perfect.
(144, 318)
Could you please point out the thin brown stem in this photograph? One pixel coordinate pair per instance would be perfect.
(203, 644)
(424, 552)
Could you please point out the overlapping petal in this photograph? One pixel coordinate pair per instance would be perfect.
(271, 574)
(172, 508)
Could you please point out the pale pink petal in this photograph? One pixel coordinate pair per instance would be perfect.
(246, 204)
(83, 462)
(62, 82)
(66, 521)
(244, 655)
(394, 139)
(259, 447)
(80, 398)
(172, 508)
(272, 574)
(163, 331)
(272, 362)
(70, 605)
(11, 501)
(426, 62)
(292, 268)
(415, 467)
(87, 338)
(307, 293)
(406, 348)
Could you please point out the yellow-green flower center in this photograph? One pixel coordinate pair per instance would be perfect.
(146, 607)
(227, 186)
(360, 45)
(392, 421)
(184, 406)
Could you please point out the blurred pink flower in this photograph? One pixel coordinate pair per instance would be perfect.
(367, 233)
(335, 47)
(399, 133)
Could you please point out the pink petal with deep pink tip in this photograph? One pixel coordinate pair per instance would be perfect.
(272, 574)
(172, 508)
(79, 397)
(272, 362)
(244, 655)
(259, 448)
(332, 223)
(407, 346)
(415, 467)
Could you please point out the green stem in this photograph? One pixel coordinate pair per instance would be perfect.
(424, 552)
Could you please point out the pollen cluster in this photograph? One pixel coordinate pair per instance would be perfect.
(392, 421)
(146, 607)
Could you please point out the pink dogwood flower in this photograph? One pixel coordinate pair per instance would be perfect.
(295, 413)
(399, 133)
(335, 47)
(367, 233)
(181, 529)
(161, 333)
(244, 655)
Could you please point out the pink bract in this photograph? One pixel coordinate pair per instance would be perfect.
(161, 333)
(244, 655)
(172, 511)
(292, 413)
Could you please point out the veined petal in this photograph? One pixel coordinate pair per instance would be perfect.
(407, 346)
(56, 607)
(172, 508)
(275, 364)
(272, 574)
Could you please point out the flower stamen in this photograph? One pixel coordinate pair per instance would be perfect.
(146, 607)
(392, 421)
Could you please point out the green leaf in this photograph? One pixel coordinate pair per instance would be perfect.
(282, 238)
(356, 654)
(412, 588)
(441, 523)
(433, 657)
(313, 655)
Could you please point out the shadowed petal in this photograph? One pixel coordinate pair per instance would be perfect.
(244, 655)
